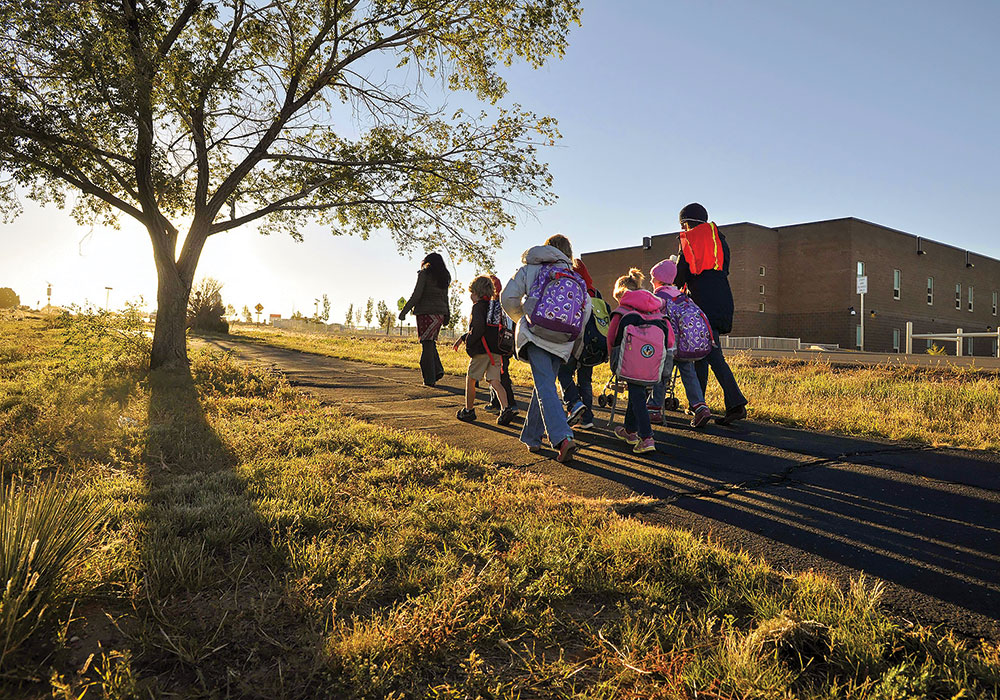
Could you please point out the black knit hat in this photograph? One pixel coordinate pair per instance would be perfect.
(695, 213)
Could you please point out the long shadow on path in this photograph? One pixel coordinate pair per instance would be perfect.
(925, 521)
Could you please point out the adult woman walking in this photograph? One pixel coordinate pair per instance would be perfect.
(429, 302)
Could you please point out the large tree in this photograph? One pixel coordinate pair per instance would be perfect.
(196, 117)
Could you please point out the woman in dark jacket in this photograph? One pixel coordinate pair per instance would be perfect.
(429, 302)
(703, 265)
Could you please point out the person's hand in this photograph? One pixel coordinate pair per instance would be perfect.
(402, 315)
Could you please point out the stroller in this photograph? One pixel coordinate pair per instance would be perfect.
(608, 397)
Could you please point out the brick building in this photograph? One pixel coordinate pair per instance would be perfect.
(799, 281)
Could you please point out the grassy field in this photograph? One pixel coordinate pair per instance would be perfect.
(252, 543)
(958, 407)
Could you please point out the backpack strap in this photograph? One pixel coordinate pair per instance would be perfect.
(490, 354)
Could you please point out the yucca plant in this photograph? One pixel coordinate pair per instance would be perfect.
(45, 530)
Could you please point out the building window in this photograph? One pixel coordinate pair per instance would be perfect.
(762, 270)
(970, 298)
(994, 303)
(760, 307)
(958, 297)
(930, 291)
(762, 289)
(895, 340)
(861, 269)
(895, 284)
(857, 336)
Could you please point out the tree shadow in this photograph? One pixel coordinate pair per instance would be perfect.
(213, 617)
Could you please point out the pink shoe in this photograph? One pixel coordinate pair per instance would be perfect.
(655, 415)
(566, 449)
(702, 415)
(630, 438)
(644, 445)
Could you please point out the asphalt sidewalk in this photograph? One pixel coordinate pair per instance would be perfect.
(925, 521)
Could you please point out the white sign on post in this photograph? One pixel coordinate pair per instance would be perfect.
(862, 284)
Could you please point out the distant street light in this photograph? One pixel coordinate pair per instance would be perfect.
(107, 300)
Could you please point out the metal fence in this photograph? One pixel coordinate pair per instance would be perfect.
(758, 342)
(957, 337)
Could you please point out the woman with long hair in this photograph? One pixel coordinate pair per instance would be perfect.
(429, 301)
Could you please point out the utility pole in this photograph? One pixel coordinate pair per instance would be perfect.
(107, 299)
(862, 290)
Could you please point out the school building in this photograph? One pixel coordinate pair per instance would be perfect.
(800, 281)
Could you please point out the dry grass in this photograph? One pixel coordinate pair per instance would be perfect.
(958, 407)
(258, 544)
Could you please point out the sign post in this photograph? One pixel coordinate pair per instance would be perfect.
(862, 290)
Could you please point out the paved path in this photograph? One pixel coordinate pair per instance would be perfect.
(926, 521)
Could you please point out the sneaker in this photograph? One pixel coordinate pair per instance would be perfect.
(574, 414)
(514, 410)
(492, 408)
(534, 449)
(732, 415)
(505, 417)
(630, 438)
(465, 415)
(644, 445)
(702, 415)
(586, 424)
(566, 449)
(655, 416)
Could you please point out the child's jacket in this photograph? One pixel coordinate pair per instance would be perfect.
(640, 301)
(482, 338)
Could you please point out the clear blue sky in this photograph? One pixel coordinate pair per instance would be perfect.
(775, 112)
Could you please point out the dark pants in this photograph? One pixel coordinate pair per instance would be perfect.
(430, 363)
(716, 360)
(637, 415)
(578, 388)
(506, 384)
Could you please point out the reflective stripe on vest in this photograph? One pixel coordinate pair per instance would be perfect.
(701, 254)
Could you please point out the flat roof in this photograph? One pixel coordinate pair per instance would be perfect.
(810, 223)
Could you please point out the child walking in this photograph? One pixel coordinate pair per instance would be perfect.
(484, 355)
(639, 307)
(551, 306)
(691, 332)
(575, 376)
(497, 316)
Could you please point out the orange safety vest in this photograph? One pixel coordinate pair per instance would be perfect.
(702, 248)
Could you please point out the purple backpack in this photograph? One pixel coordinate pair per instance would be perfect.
(555, 303)
(691, 327)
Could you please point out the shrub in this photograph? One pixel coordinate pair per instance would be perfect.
(45, 533)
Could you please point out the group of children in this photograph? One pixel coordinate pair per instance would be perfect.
(564, 329)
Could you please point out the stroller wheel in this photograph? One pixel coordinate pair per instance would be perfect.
(602, 401)
(611, 400)
(673, 404)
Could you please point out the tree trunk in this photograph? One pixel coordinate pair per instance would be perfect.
(169, 336)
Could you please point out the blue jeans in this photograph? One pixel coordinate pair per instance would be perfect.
(716, 360)
(689, 379)
(545, 412)
(636, 414)
(582, 389)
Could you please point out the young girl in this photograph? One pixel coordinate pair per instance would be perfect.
(662, 275)
(633, 299)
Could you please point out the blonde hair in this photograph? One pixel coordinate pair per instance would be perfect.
(630, 282)
(560, 243)
(482, 287)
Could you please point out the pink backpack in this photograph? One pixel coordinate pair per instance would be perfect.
(643, 349)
